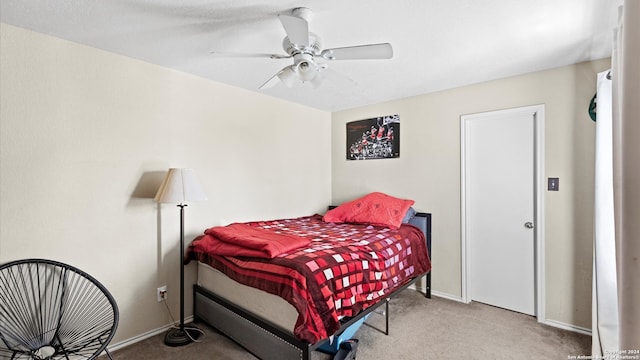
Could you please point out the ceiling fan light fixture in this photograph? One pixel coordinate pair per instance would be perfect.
(307, 70)
(316, 81)
(288, 76)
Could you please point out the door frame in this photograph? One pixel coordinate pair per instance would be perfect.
(537, 111)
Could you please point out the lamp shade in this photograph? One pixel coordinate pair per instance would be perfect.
(180, 186)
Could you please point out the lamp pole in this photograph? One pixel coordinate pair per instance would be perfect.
(181, 336)
(181, 206)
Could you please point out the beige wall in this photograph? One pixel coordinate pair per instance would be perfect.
(428, 171)
(86, 137)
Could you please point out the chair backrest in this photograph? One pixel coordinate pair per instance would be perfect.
(51, 310)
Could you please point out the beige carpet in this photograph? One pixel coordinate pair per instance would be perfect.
(420, 329)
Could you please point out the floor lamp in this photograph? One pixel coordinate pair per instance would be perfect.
(180, 186)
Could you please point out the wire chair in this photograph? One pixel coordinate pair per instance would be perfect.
(50, 310)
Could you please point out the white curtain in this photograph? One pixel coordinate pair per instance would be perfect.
(605, 287)
(616, 278)
(626, 164)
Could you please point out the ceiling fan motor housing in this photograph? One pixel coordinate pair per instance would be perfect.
(315, 44)
(305, 67)
(303, 12)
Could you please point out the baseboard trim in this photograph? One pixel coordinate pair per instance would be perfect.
(565, 326)
(144, 336)
(436, 293)
(447, 296)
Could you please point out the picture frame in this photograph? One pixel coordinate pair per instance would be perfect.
(374, 138)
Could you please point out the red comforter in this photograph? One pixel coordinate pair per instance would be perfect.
(246, 240)
(344, 269)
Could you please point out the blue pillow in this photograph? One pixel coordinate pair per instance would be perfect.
(409, 215)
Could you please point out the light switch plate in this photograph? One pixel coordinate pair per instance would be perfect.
(553, 184)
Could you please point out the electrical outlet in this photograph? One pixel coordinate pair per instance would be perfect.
(162, 293)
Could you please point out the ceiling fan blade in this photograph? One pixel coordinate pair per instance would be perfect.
(244, 55)
(288, 76)
(297, 29)
(317, 81)
(360, 52)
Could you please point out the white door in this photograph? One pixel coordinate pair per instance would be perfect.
(499, 196)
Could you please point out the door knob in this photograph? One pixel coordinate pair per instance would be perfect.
(528, 225)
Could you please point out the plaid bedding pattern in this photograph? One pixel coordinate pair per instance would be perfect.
(345, 269)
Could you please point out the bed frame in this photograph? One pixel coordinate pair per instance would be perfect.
(267, 341)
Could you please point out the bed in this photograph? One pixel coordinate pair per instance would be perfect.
(287, 305)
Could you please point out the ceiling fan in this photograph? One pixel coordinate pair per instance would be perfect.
(306, 50)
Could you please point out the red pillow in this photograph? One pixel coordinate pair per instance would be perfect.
(375, 209)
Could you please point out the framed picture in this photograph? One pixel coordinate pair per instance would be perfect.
(375, 138)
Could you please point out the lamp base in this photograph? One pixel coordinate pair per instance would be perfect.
(177, 337)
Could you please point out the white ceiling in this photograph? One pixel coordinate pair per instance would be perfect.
(438, 44)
